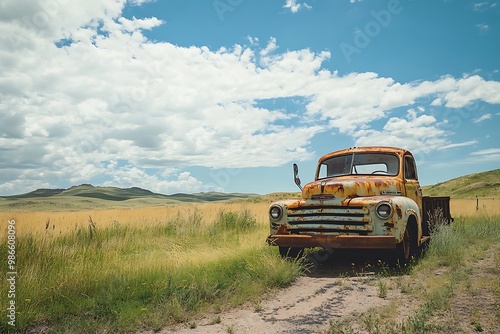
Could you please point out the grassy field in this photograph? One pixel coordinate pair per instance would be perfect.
(124, 270)
(473, 207)
(485, 184)
(55, 223)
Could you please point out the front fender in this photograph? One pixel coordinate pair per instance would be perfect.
(403, 208)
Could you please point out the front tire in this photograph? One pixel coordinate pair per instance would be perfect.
(408, 247)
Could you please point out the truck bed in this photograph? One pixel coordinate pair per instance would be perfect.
(432, 203)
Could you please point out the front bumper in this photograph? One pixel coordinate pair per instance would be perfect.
(332, 241)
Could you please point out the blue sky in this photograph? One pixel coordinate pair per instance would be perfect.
(224, 95)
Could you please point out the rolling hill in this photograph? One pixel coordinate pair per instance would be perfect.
(110, 193)
(485, 184)
(123, 194)
(86, 196)
(87, 190)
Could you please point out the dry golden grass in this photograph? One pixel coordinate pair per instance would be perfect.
(467, 207)
(63, 222)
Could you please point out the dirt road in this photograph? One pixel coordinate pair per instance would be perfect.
(348, 295)
(331, 291)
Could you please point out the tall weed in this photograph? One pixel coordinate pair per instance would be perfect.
(237, 221)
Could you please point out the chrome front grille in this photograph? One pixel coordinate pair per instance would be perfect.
(329, 218)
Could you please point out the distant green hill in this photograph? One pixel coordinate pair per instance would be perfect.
(88, 196)
(110, 193)
(38, 193)
(123, 194)
(485, 184)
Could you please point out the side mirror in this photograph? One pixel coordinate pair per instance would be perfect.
(296, 176)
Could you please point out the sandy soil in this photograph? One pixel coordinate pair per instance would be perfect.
(305, 307)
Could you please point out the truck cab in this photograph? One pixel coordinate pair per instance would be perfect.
(361, 198)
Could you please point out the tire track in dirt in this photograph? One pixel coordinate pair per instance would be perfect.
(305, 307)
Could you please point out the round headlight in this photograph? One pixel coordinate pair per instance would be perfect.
(384, 210)
(275, 212)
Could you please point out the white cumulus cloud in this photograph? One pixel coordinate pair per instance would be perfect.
(294, 6)
(85, 95)
(415, 133)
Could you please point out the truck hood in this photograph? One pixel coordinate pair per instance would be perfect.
(351, 187)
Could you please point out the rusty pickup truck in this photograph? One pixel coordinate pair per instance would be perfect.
(361, 198)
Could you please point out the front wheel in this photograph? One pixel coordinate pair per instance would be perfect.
(291, 252)
(407, 248)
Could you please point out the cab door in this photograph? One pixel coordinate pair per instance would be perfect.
(412, 187)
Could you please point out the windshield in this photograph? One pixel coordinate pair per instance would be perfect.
(359, 163)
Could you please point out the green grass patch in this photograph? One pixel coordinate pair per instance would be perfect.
(453, 245)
